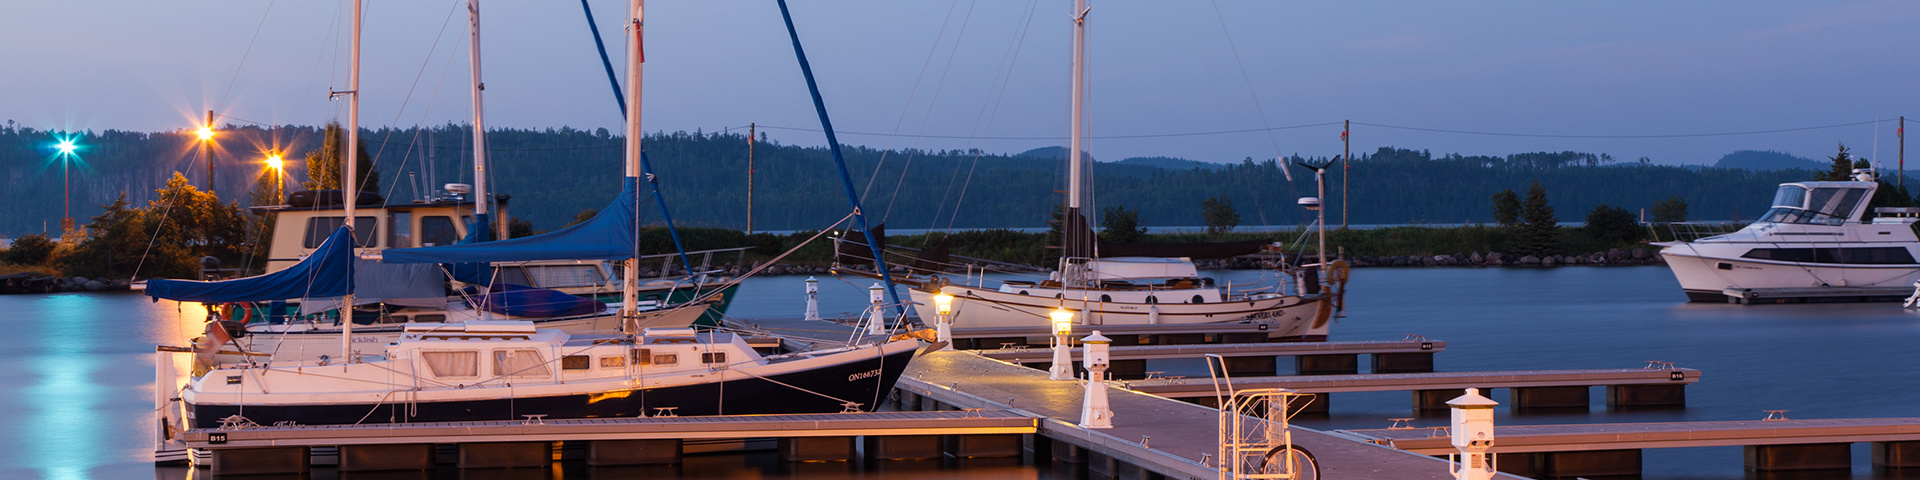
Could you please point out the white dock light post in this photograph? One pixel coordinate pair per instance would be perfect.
(1062, 359)
(1473, 435)
(876, 325)
(943, 305)
(813, 301)
(1094, 412)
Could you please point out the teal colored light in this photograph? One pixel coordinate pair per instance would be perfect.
(66, 147)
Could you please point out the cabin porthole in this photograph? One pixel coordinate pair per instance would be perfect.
(1023, 292)
(1153, 299)
(1197, 299)
(1106, 298)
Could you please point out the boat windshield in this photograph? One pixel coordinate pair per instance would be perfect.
(1828, 206)
(1790, 196)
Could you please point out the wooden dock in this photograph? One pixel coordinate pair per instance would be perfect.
(1253, 359)
(686, 428)
(1151, 434)
(1628, 387)
(1770, 444)
(1157, 334)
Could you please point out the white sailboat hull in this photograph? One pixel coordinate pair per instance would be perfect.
(309, 345)
(1704, 276)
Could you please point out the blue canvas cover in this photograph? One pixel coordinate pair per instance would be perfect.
(328, 272)
(529, 302)
(609, 235)
(477, 232)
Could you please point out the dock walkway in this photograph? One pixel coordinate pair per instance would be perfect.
(1155, 434)
(1634, 387)
(1770, 444)
(685, 428)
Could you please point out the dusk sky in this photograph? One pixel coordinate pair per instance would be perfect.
(970, 68)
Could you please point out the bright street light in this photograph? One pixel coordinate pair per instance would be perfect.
(274, 162)
(206, 133)
(66, 147)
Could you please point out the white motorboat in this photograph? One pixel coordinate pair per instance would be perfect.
(1815, 237)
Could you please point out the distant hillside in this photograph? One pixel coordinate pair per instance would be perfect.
(1171, 163)
(553, 174)
(1768, 160)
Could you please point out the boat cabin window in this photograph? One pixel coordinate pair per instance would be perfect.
(459, 364)
(576, 362)
(613, 362)
(666, 359)
(713, 357)
(436, 318)
(437, 230)
(1851, 256)
(513, 275)
(565, 276)
(1790, 196)
(400, 230)
(1819, 206)
(318, 228)
(642, 356)
(520, 363)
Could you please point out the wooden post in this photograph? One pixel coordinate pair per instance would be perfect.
(1902, 133)
(750, 134)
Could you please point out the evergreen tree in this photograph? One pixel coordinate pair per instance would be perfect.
(1506, 208)
(1671, 210)
(1612, 224)
(1121, 225)
(1219, 215)
(1540, 234)
(323, 165)
(1842, 168)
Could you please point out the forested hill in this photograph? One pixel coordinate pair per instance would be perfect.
(553, 174)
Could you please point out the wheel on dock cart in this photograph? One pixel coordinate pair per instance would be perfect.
(1276, 462)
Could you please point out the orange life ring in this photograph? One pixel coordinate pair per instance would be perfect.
(246, 310)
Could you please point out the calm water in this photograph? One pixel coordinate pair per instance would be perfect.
(77, 378)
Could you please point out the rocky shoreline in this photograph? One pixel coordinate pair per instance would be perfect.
(35, 283)
(1616, 256)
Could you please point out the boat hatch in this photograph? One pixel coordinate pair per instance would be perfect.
(502, 326)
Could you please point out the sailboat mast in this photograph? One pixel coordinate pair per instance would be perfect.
(629, 295)
(480, 198)
(1079, 108)
(1073, 227)
(349, 179)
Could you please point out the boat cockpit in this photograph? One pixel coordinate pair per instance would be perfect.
(1819, 203)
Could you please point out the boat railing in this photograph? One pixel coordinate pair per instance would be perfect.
(1690, 231)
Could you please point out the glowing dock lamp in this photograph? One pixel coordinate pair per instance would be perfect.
(1094, 411)
(206, 133)
(1473, 435)
(943, 305)
(1062, 358)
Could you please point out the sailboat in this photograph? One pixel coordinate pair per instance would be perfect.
(1126, 284)
(507, 370)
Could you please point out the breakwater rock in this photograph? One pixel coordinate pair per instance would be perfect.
(35, 283)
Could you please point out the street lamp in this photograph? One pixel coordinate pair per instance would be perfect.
(1062, 359)
(943, 305)
(205, 132)
(279, 168)
(65, 149)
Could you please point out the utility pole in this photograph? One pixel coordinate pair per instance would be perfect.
(1902, 133)
(1346, 169)
(750, 134)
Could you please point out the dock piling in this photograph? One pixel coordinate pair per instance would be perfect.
(816, 449)
(1337, 364)
(902, 447)
(505, 455)
(635, 452)
(1816, 456)
(1896, 454)
(261, 461)
(375, 458)
(1526, 398)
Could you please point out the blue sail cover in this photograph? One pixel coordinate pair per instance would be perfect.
(328, 272)
(529, 302)
(609, 235)
(475, 273)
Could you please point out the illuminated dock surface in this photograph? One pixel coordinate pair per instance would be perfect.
(1621, 436)
(1189, 351)
(1376, 382)
(1155, 434)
